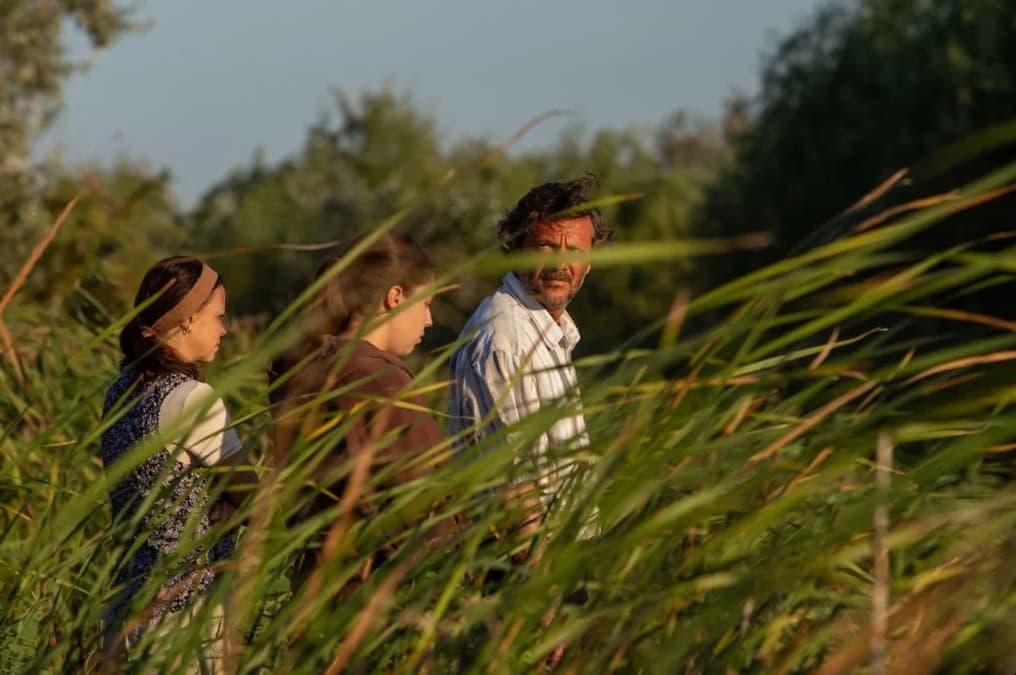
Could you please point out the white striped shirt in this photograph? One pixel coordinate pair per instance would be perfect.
(516, 361)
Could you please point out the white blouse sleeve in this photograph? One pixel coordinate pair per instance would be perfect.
(194, 412)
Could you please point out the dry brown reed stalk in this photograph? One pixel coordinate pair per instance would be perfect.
(729, 381)
(652, 389)
(617, 661)
(240, 602)
(685, 386)
(827, 349)
(748, 405)
(880, 556)
(913, 616)
(10, 350)
(810, 422)
(914, 205)
(337, 532)
(922, 655)
(676, 316)
(554, 657)
(963, 363)
(22, 276)
(999, 236)
(502, 649)
(879, 191)
(367, 617)
(751, 241)
(820, 459)
(954, 382)
(222, 253)
(977, 200)
(969, 317)
(500, 150)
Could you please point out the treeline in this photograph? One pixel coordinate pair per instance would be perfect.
(856, 93)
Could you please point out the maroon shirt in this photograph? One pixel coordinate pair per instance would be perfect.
(377, 380)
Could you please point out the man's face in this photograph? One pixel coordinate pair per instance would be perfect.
(554, 287)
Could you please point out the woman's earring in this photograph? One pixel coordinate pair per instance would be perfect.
(186, 328)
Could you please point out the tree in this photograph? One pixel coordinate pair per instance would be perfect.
(33, 66)
(853, 95)
(126, 219)
(380, 155)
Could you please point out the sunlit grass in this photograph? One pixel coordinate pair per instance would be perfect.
(733, 471)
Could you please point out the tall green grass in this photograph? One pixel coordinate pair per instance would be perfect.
(733, 470)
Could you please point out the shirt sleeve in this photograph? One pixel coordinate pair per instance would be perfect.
(490, 390)
(497, 391)
(209, 439)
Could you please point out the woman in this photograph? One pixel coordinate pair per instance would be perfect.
(180, 321)
(365, 319)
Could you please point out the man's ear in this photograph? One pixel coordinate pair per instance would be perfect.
(394, 297)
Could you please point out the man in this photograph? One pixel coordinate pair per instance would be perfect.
(517, 357)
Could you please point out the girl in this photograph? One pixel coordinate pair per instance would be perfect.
(364, 320)
(159, 390)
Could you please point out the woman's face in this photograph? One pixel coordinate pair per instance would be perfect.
(407, 326)
(197, 341)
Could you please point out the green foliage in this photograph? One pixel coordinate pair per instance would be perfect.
(33, 66)
(126, 220)
(736, 500)
(382, 155)
(732, 466)
(855, 94)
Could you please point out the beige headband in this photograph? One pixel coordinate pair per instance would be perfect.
(190, 303)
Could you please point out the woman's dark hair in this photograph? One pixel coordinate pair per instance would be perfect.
(548, 202)
(167, 281)
(393, 259)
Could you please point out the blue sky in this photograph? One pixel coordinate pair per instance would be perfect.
(209, 83)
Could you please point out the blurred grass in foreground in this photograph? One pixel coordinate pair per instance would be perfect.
(734, 471)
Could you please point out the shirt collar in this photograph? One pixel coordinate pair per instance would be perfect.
(564, 335)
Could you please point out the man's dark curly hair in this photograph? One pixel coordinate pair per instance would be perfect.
(547, 202)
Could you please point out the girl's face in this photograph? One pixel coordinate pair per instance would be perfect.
(406, 327)
(198, 339)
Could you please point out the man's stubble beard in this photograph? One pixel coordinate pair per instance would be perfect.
(541, 297)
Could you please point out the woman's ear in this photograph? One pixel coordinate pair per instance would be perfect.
(394, 297)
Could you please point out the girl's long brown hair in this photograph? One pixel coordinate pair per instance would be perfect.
(352, 294)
